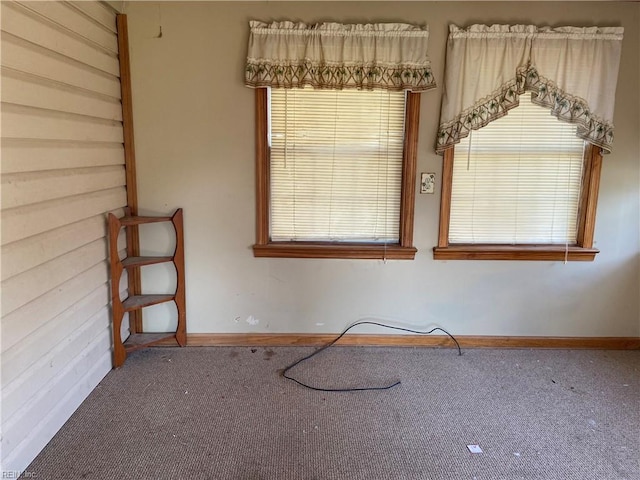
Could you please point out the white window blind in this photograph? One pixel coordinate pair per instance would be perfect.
(336, 164)
(517, 180)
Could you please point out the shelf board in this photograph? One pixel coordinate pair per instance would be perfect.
(130, 262)
(135, 302)
(137, 341)
(139, 220)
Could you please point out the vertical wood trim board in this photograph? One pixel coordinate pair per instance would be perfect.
(63, 170)
(133, 235)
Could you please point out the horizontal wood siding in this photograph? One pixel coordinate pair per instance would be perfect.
(35, 250)
(28, 122)
(26, 57)
(40, 92)
(19, 429)
(62, 408)
(62, 172)
(24, 155)
(22, 222)
(20, 189)
(20, 20)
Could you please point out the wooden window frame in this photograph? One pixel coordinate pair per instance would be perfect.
(582, 251)
(403, 250)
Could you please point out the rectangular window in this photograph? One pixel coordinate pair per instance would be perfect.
(517, 180)
(523, 187)
(335, 173)
(336, 165)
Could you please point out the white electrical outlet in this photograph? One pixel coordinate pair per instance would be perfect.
(427, 182)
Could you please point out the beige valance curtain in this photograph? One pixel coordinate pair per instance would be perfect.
(390, 56)
(572, 71)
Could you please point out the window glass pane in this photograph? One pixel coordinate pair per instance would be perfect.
(518, 180)
(336, 164)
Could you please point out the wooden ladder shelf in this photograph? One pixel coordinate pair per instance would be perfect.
(138, 340)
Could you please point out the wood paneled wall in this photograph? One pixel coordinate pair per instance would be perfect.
(62, 171)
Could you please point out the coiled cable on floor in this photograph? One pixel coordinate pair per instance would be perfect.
(333, 342)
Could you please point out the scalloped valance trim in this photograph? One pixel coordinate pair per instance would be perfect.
(368, 77)
(562, 105)
(572, 71)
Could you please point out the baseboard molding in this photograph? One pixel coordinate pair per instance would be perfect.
(466, 341)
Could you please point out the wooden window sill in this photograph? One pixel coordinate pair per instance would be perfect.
(514, 252)
(332, 250)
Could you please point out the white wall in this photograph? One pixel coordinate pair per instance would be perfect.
(194, 123)
(62, 170)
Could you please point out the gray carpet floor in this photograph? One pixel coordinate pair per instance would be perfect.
(226, 413)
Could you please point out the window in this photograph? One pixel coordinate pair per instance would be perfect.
(523, 187)
(337, 111)
(336, 164)
(335, 173)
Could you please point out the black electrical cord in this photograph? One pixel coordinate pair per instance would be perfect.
(366, 389)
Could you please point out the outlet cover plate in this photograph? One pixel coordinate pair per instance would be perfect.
(427, 182)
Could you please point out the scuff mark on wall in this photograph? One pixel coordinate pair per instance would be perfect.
(251, 320)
